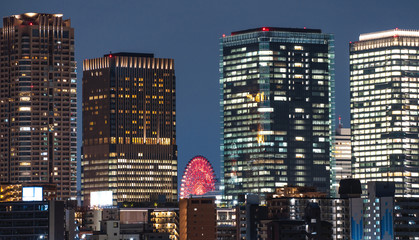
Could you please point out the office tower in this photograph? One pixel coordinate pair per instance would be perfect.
(341, 160)
(129, 128)
(277, 108)
(38, 102)
(384, 79)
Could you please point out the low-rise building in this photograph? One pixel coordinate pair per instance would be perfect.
(197, 218)
(32, 220)
(406, 218)
(226, 223)
(132, 222)
(291, 203)
(165, 220)
(14, 192)
(382, 216)
(249, 215)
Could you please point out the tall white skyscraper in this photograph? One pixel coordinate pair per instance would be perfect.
(384, 83)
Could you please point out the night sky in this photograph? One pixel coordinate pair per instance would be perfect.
(189, 32)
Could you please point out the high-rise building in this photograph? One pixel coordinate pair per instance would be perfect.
(341, 160)
(129, 128)
(38, 102)
(384, 80)
(277, 107)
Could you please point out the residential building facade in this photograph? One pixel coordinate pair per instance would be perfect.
(38, 102)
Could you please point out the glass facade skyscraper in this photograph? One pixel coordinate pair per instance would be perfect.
(384, 82)
(277, 108)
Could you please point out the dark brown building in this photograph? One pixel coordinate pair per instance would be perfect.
(38, 102)
(197, 219)
(129, 128)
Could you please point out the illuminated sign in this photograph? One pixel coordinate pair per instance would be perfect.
(32, 194)
(101, 199)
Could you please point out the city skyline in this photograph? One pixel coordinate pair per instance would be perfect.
(196, 27)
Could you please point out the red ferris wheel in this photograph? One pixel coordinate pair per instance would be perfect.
(198, 178)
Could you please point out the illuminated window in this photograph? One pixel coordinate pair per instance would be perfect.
(24, 109)
(299, 138)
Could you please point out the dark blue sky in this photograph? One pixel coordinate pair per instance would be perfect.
(189, 32)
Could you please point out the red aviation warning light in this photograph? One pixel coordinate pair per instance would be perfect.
(198, 178)
(265, 29)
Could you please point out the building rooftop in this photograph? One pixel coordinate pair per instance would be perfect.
(129, 54)
(29, 19)
(35, 15)
(277, 29)
(389, 33)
